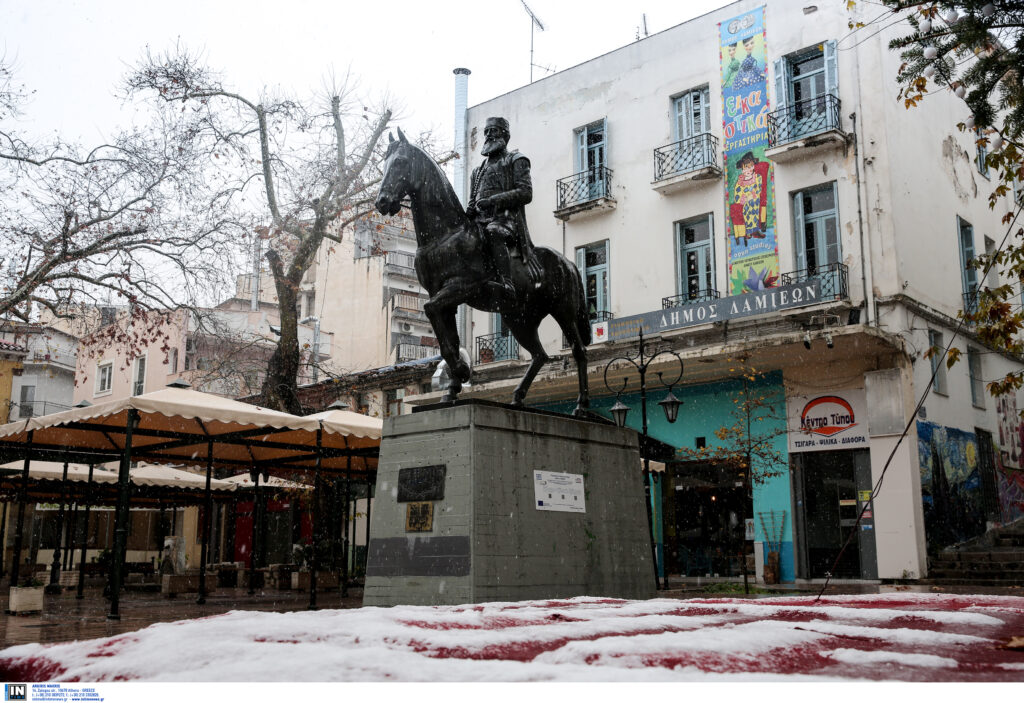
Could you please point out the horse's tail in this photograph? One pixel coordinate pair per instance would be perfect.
(580, 301)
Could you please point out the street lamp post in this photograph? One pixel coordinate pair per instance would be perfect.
(670, 404)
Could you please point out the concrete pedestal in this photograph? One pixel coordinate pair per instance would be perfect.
(486, 538)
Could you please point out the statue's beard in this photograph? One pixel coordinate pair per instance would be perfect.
(494, 145)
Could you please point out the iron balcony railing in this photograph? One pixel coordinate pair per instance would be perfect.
(402, 260)
(412, 352)
(685, 156)
(585, 186)
(701, 296)
(834, 280)
(35, 408)
(496, 347)
(408, 306)
(971, 303)
(803, 119)
(53, 357)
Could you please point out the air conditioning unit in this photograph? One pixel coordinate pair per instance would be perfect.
(406, 327)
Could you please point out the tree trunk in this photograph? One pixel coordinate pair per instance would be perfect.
(280, 387)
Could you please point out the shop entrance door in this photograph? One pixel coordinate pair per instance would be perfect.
(703, 511)
(830, 489)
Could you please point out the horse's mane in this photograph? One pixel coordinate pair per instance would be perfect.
(448, 191)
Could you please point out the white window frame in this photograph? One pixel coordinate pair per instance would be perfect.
(783, 70)
(938, 364)
(102, 366)
(139, 368)
(23, 411)
(680, 250)
(799, 220)
(976, 377)
(982, 155)
(604, 295)
(684, 124)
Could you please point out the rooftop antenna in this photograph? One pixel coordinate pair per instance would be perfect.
(534, 22)
(642, 29)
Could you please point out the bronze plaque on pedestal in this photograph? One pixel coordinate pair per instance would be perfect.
(419, 517)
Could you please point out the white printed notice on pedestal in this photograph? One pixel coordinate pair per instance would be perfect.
(561, 492)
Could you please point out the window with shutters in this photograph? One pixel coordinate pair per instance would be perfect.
(976, 378)
(139, 376)
(806, 94)
(816, 229)
(591, 155)
(592, 262)
(26, 408)
(693, 146)
(938, 362)
(692, 113)
(104, 378)
(981, 161)
(968, 273)
(695, 258)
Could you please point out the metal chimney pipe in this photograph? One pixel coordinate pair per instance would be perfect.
(459, 172)
(461, 98)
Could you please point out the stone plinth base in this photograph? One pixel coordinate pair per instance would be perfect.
(466, 527)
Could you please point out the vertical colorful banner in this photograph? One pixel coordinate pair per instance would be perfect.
(750, 183)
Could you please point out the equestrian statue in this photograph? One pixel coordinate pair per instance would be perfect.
(483, 256)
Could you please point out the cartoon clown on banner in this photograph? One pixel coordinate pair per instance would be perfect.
(749, 208)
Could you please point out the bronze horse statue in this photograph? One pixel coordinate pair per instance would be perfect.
(453, 265)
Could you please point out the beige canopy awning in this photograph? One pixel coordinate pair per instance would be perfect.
(54, 471)
(176, 425)
(161, 476)
(243, 481)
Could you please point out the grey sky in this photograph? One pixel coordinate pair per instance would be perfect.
(73, 52)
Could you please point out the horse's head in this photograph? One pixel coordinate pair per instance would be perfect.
(398, 179)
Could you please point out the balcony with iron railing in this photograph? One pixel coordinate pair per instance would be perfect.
(686, 163)
(496, 347)
(584, 193)
(406, 306)
(702, 296)
(35, 408)
(833, 279)
(400, 263)
(803, 128)
(414, 352)
(970, 299)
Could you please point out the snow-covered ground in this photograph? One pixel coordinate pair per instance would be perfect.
(903, 636)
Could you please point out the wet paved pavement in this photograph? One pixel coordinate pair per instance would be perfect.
(65, 618)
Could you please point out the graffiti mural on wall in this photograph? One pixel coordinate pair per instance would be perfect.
(950, 484)
(1009, 474)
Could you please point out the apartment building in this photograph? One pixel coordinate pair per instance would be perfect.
(746, 189)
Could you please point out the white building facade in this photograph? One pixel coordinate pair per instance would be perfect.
(747, 189)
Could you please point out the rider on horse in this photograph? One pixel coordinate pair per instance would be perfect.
(501, 189)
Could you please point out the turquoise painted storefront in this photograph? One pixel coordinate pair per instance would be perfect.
(705, 409)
